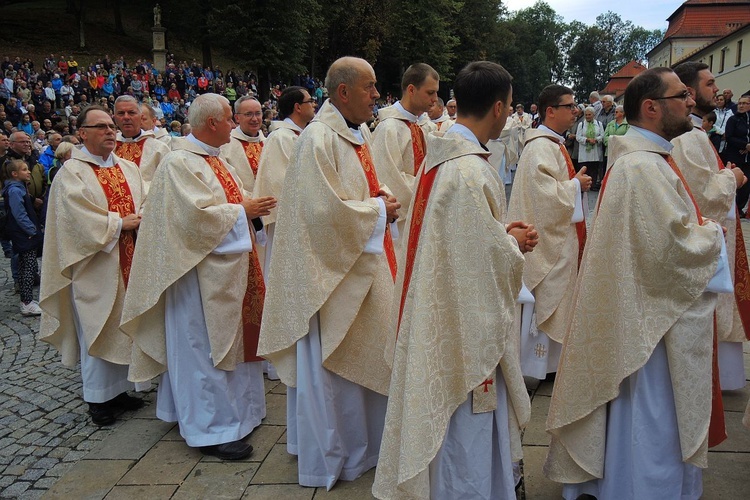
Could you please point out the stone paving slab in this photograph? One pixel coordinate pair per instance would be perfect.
(133, 440)
(279, 467)
(221, 481)
(168, 462)
(80, 483)
(155, 492)
(277, 492)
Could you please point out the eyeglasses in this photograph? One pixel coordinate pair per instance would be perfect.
(250, 114)
(570, 106)
(682, 96)
(309, 101)
(101, 126)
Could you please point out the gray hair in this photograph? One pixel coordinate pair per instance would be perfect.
(126, 98)
(594, 94)
(242, 99)
(620, 108)
(608, 97)
(146, 108)
(589, 108)
(339, 73)
(63, 149)
(206, 106)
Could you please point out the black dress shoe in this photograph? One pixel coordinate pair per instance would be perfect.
(101, 414)
(236, 450)
(125, 402)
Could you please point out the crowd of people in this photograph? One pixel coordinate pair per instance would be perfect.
(385, 279)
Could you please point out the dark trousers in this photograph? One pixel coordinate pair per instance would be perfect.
(743, 193)
(593, 170)
(26, 272)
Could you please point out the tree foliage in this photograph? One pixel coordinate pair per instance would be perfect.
(279, 39)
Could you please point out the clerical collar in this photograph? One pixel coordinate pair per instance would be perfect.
(560, 138)
(134, 138)
(294, 125)
(697, 120)
(352, 126)
(212, 151)
(99, 160)
(244, 136)
(466, 133)
(411, 117)
(653, 137)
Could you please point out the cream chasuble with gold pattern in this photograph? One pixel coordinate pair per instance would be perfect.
(544, 195)
(145, 151)
(181, 228)
(454, 328)
(244, 153)
(642, 281)
(319, 263)
(277, 151)
(80, 260)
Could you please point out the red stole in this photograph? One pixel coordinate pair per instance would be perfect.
(424, 188)
(580, 226)
(417, 144)
(131, 151)
(717, 431)
(363, 153)
(120, 200)
(741, 272)
(255, 294)
(252, 153)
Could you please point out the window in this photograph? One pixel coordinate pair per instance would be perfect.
(722, 60)
(738, 59)
(711, 63)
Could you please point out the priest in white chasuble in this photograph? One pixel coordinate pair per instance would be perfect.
(297, 108)
(244, 149)
(631, 405)
(547, 193)
(457, 400)
(135, 144)
(398, 143)
(194, 305)
(330, 286)
(714, 188)
(438, 117)
(90, 235)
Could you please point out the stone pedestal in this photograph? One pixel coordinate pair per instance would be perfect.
(160, 47)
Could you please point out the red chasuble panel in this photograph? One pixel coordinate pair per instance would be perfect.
(363, 153)
(255, 294)
(120, 200)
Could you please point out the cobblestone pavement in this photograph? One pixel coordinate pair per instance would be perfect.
(44, 428)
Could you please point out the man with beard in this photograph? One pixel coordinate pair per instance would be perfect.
(714, 188)
(630, 410)
(135, 144)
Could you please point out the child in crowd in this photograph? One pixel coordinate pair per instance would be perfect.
(709, 122)
(22, 228)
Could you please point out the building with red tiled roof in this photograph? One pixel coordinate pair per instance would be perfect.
(695, 25)
(617, 82)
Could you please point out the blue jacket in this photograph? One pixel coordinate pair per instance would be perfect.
(47, 159)
(23, 227)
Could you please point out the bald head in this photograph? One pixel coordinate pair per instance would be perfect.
(351, 86)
